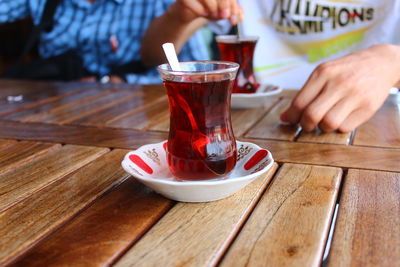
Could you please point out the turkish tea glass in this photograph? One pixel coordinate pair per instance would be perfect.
(201, 144)
(241, 51)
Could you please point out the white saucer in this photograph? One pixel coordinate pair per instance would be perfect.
(257, 99)
(148, 164)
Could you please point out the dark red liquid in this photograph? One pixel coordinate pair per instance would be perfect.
(201, 144)
(241, 51)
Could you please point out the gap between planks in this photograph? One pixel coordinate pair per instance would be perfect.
(290, 224)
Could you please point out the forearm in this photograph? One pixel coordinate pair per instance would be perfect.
(167, 28)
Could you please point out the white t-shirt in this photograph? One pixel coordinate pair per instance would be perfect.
(297, 35)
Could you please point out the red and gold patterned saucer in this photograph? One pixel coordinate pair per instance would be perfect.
(148, 164)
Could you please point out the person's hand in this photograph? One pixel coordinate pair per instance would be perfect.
(342, 94)
(182, 19)
(189, 10)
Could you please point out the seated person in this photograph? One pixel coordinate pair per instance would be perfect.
(106, 34)
(344, 56)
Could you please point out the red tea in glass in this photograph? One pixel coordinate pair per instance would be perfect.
(201, 144)
(241, 51)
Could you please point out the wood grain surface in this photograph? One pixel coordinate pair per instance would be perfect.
(23, 152)
(26, 223)
(79, 135)
(9, 87)
(26, 180)
(162, 125)
(243, 120)
(66, 201)
(33, 93)
(126, 213)
(289, 93)
(326, 138)
(332, 155)
(119, 110)
(383, 129)
(290, 224)
(367, 231)
(70, 113)
(270, 126)
(196, 234)
(76, 98)
(5, 143)
(144, 117)
(294, 152)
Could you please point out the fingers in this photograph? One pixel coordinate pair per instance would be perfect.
(319, 107)
(307, 94)
(195, 7)
(236, 13)
(241, 13)
(330, 111)
(222, 9)
(212, 8)
(336, 116)
(355, 119)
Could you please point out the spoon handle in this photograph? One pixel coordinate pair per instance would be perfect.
(170, 53)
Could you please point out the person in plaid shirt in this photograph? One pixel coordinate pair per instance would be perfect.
(106, 33)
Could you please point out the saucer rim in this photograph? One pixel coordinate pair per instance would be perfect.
(202, 182)
(253, 95)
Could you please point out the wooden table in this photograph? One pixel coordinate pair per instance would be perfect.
(65, 200)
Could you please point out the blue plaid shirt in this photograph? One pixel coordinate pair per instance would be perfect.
(104, 33)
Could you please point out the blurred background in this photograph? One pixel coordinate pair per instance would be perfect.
(13, 37)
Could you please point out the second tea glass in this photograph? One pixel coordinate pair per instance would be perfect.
(241, 50)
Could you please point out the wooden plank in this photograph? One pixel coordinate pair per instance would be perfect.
(288, 93)
(290, 224)
(37, 216)
(245, 119)
(9, 87)
(22, 153)
(162, 124)
(317, 136)
(119, 110)
(125, 215)
(34, 93)
(70, 113)
(145, 117)
(332, 155)
(60, 102)
(80, 135)
(270, 126)
(22, 182)
(367, 232)
(196, 234)
(5, 143)
(292, 152)
(383, 129)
